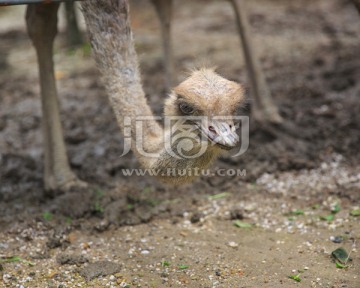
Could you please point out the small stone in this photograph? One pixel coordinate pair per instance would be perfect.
(101, 268)
(145, 252)
(233, 244)
(52, 274)
(7, 278)
(102, 226)
(54, 242)
(112, 278)
(336, 239)
(70, 259)
(236, 214)
(4, 245)
(86, 245)
(195, 218)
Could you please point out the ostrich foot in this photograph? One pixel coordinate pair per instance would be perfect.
(269, 116)
(73, 184)
(60, 184)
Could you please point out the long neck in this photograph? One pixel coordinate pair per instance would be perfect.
(112, 44)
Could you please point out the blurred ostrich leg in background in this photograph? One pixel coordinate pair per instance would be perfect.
(263, 108)
(73, 34)
(164, 11)
(41, 20)
(357, 4)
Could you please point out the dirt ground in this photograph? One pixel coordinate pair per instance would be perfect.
(136, 232)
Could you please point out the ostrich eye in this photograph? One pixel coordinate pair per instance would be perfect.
(186, 108)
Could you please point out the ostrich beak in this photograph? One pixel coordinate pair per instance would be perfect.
(222, 133)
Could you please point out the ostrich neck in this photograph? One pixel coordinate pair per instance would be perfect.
(111, 39)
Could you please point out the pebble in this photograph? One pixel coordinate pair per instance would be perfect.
(112, 278)
(145, 252)
(4, 245)
(233, 244)
(6, 278)
(336, 239)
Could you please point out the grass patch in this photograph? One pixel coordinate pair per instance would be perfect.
(335, 209)
(165, 263)
(297, 212)
(13, 259)
(47, 216)
(295, 277)
(340, 266)
(219, 196)
(328, 218)
(147, 190)
(242, 224)
(68, 220)
(99, 194)
(355, 212)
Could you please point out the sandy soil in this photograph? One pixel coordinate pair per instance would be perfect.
(153, 235)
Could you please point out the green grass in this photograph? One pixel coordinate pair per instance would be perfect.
(165, 263)
(15, 259)
(219, 196)
(241, 224)
(295, 277)
(47, 216)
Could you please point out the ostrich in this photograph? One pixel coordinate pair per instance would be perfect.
(204, 93)
(41, 24)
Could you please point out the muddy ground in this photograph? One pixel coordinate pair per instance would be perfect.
(153, 235)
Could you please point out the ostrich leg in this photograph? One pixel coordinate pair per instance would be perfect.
(74, 37)
(357, 4)
(164, 11)
(264, 109)
(41, 20)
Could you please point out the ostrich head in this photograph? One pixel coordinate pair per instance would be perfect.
(206, 95)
